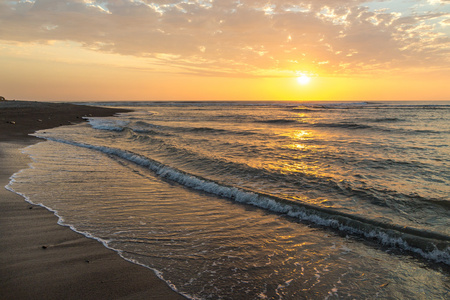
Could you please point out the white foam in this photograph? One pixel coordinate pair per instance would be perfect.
(108, 124)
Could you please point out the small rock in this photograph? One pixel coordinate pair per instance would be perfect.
(39, 120)
(44, 247)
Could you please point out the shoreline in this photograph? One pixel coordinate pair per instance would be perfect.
(40, 259)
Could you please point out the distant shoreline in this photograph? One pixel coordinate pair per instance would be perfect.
(20, 118)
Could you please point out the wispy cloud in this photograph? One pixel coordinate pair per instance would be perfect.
(245, 38)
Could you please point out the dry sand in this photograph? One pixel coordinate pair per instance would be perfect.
(40, 259)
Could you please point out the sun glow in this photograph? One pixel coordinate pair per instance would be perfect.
(303, 79)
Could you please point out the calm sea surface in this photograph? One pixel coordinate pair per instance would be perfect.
(261, 200)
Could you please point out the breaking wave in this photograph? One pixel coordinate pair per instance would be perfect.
(430, 245)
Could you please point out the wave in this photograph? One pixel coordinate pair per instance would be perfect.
(278, 121)
(411, 131)
(149, 128)
(358, 126)
(152, 129)
(338, 105)
(303, 109)
(108, 124)
(205, 130)
(430, 245)
(310, 184)
(201, 161)
(385, 120)
(413, 107)
(347, 125)
(333, 105)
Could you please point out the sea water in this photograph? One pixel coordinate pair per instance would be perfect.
(234, 200)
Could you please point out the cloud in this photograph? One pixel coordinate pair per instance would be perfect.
(253, 37)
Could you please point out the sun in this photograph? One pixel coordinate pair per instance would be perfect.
(303, 79)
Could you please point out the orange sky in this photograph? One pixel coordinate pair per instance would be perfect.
(57, 50)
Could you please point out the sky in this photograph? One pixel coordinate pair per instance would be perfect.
(83, 50)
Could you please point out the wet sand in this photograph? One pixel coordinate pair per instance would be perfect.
(40, 259)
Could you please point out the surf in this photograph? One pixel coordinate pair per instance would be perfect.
(427, 244)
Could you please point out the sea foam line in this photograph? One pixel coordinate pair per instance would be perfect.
(104, 242)
(430, 245)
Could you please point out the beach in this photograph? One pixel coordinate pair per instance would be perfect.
(41, 259)
(225, 200)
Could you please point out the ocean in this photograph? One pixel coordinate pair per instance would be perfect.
(260, 200)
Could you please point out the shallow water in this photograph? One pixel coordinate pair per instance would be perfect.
(262, 201)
